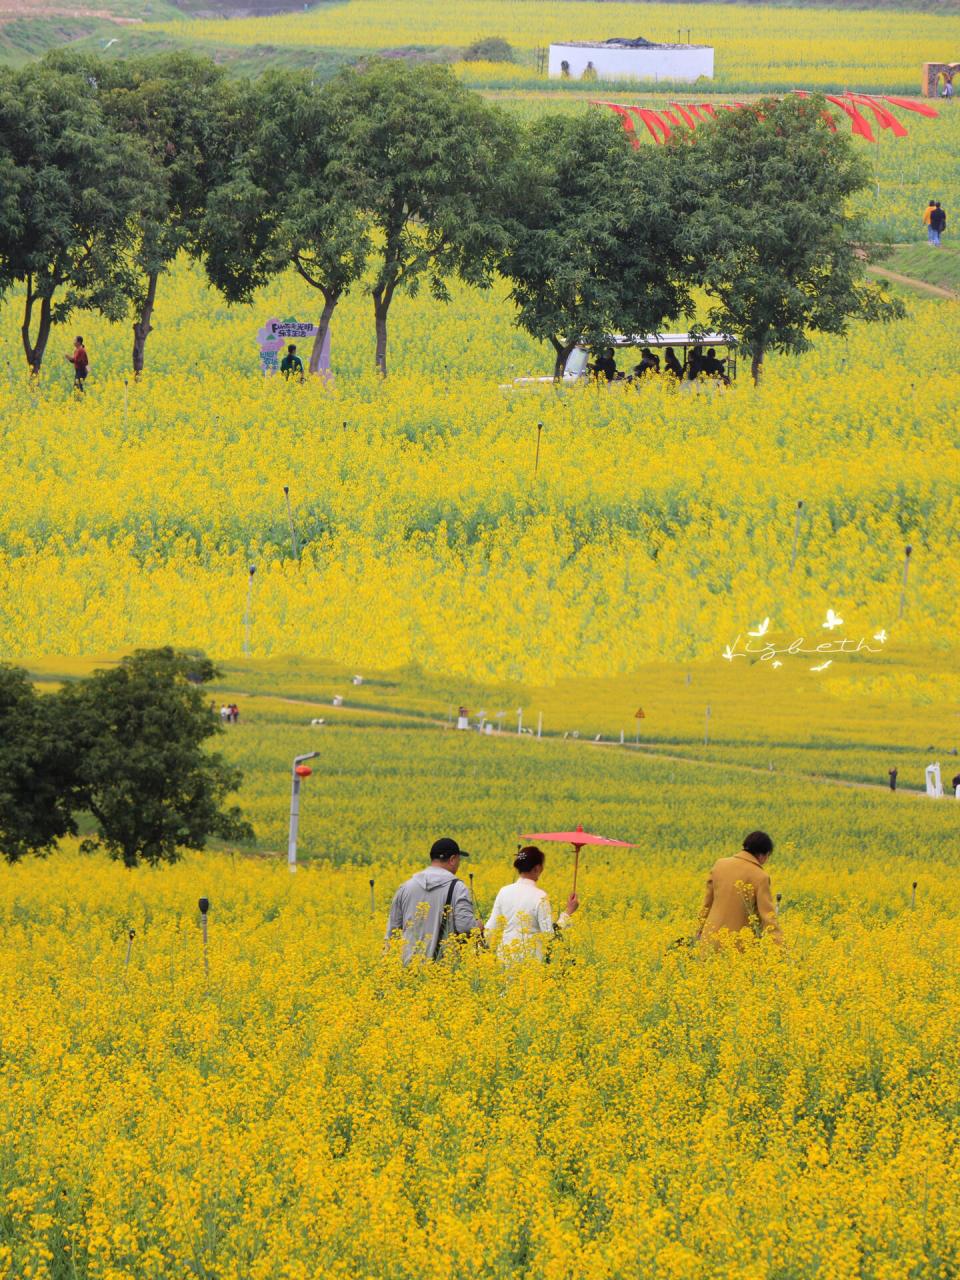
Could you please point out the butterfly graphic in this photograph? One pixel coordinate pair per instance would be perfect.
(881, 636)
(832, 620)
(762, 628)
(823, 665)
(728, 654)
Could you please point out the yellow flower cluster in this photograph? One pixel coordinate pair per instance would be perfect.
(655, 523)
(630, 1109)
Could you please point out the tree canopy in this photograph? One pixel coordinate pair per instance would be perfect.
(424, 158)
(36, 770)
(392, 177)
(137, 732)
(769, 229)
(594, 241)
(76, 186)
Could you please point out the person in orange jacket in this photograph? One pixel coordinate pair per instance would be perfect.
(928, 211)
(739, 895)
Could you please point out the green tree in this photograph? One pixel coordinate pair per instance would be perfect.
(137, 732)
(594, 245)
(69, 214)
(424, 158)
(282, 207)
(769, 228)
(36, 766)
(190, 124)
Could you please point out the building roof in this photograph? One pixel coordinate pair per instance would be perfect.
(646, 47)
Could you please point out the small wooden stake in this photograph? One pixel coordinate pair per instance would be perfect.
(796, 534)
(204, 905)
(536, 464)
(373, 901)
(906, 569)
(293, 532)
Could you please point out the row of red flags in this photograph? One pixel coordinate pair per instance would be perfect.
(663, 121)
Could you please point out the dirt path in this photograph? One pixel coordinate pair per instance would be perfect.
(934, 290)
(753, 768)
(652, 751)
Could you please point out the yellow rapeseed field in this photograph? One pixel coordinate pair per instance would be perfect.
(658, 524)
(308, 1110)
(755, 46)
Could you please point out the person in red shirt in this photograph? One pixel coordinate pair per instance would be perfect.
(81, 363)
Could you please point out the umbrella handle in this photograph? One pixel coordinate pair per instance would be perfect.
(576, 865)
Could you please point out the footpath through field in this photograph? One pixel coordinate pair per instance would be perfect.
(420, 719)
(911, 282)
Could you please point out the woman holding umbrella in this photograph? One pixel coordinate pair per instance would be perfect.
(522, 910)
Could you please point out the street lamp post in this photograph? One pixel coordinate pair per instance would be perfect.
(298, 773)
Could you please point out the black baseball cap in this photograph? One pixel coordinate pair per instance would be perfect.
(445, 848)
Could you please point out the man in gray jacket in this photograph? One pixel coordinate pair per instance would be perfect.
(433, 904)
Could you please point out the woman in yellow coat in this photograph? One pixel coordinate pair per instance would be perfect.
(739, 895)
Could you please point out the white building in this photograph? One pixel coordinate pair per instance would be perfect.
(630, 60)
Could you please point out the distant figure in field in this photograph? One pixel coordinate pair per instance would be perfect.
(522, 910)
(938, 224)
(606, 366)
(672, 364)
(81, 363)
(564, 70)
(649, 363)
(739, 896)
(432, 905)
(711, 365)
(291, 364)
(589, 72)
(695, 363)
(947, 91)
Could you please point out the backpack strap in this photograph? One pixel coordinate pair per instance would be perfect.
(444, 916)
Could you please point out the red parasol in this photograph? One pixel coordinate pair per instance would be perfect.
(578, 839)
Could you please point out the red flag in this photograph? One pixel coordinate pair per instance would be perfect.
(684, 115)
(626, 119)
(920, 107)
(653, 123)
(885, 118)
(858, 121)
(694, 111)
(709, 108)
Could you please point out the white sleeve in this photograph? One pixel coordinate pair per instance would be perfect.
(544, 915)
(495, 915)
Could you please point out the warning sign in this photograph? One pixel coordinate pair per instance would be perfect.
(640, 715)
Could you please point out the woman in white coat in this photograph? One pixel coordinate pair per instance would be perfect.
(522, 910)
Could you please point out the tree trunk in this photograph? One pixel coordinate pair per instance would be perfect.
(34, 351)
(330, 301)
(143, 327)
(756, 365)
(382, 297)
(563, 355)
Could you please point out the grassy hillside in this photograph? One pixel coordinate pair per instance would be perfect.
(935, 266)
